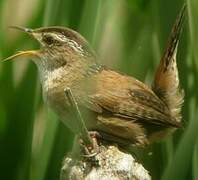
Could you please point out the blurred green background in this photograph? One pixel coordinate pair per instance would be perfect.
(128, 35)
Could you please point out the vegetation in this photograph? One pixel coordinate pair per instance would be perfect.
(130, 36)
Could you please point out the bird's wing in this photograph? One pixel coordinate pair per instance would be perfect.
(124, 96)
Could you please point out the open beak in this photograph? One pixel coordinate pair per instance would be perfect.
(28, 53)
(27, 30)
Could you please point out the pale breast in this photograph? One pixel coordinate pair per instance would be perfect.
(54, 83)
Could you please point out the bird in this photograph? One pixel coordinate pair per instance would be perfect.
(121, 108)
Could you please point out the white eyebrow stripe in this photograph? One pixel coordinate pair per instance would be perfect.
(73, 44)
(60, 37)
(76, 47)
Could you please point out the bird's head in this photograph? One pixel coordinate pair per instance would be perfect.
(59, 46)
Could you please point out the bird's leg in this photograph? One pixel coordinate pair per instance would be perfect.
(88, 139)
(93, 149)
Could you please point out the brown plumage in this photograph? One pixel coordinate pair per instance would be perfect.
(166, 82)
(123, 109)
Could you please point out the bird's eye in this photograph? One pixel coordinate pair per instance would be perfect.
(49, 40)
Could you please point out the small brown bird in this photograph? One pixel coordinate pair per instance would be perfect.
(121, 108)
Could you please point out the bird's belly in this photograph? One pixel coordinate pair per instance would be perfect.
(54, 96)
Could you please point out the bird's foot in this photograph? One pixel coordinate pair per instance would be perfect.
(91, 150)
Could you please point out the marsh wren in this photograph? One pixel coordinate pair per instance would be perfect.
(123, 109)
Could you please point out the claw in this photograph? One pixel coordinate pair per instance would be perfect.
(93, 149)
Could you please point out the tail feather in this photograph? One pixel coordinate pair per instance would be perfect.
(166, 82)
